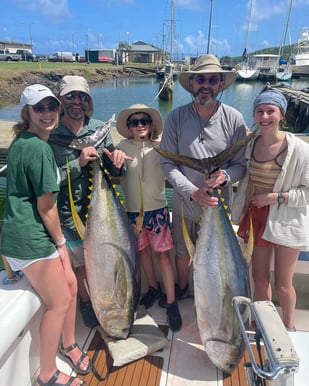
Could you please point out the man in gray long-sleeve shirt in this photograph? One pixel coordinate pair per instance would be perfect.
(200, 129)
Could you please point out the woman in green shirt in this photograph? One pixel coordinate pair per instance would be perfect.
(32, 239)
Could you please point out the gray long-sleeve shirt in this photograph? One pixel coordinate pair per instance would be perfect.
(181, 133)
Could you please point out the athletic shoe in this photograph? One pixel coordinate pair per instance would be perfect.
(174, 317)
(179, 295)
(151, 296)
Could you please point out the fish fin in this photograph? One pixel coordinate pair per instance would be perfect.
(210, 164)
(248, 250)
(188, 242)
(80, 227)
(137, 228)
(87, 287)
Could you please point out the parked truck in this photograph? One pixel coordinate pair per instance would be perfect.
(27, 55)
(8, 56)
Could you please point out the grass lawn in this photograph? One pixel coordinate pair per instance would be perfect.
(7, 69)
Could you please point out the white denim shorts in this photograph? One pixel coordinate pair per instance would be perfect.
(20, 264)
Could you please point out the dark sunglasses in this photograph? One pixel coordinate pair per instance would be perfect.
(83, 97)
(212, 80)
(142, 121)
(41, 107)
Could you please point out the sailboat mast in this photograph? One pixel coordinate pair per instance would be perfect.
(210, 26)
(249, 28)
(285, 29)
(171, 29)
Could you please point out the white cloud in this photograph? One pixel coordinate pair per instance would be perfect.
(49, 8)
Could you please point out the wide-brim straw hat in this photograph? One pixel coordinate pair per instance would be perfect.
(156, 125)
(206, 64)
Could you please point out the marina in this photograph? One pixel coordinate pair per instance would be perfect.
(182, 360)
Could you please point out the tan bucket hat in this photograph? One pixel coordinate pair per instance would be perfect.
(206, 64)
(156, 125)
(70, 83)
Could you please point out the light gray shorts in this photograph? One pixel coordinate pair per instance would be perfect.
(177, 232)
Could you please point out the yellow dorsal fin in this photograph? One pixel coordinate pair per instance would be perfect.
(248, 250)
(80, 227)
(140, 219)
(188, 242)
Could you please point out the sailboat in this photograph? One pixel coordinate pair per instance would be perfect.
(166, 87)
(247, 70)
(284, 72)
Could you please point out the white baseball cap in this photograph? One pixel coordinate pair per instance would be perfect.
(34, 94)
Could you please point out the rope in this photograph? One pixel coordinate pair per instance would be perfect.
(167, 78)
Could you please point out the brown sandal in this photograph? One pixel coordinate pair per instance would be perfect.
(76, 366)
(54, 378)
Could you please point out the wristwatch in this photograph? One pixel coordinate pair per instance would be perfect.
(281, 198)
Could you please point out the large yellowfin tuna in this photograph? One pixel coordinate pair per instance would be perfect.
(111, 259)
(220, 273)
(219, 269)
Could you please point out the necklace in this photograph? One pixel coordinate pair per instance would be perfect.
(207, 118)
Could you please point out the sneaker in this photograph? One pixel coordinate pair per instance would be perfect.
(88, 314)
(179, 294)
(150, 296)
(174, 317)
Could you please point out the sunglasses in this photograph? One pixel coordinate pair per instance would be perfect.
(83, 97)
(136, 122)
(41, 107)
(212, 80)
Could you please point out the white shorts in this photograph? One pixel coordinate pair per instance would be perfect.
(20, 264)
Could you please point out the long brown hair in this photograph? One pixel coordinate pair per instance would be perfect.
(23, 125)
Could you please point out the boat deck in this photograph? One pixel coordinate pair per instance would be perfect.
(183, 362)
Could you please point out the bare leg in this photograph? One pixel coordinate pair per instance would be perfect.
(147, 265)
(55, 283)
(167, 274)
(285, 262)
(261, 261)
(80, 273)
(182, 268)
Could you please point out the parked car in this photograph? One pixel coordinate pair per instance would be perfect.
(8, 56)
(27, 56)
(62, 57)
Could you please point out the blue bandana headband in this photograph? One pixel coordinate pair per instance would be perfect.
(271, 97)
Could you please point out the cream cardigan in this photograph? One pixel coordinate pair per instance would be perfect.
(287, 224)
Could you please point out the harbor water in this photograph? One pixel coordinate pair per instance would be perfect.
(116, 94)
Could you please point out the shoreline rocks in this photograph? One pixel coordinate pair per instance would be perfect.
(11, 88)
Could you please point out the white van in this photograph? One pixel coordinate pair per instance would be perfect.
(62, 56)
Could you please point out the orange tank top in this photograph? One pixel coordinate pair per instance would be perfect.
(263, 174)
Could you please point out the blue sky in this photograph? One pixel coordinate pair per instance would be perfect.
(72, 25)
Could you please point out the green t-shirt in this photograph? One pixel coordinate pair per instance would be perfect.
(31, 173)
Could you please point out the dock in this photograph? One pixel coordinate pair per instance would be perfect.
(6, 137)
(297, 115)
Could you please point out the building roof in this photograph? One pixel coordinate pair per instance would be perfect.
(141, 46)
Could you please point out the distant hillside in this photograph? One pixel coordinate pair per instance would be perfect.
(287, 52)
